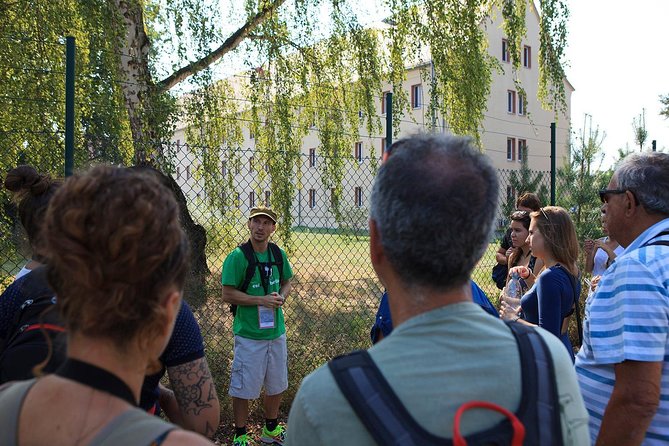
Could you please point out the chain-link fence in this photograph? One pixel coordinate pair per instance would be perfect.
(323, 223)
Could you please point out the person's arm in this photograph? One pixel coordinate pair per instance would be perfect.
(286, 287)
(633, 403)
(500, 256)
(193, 403)
(589, 248)
(608, 250)
(549, 295)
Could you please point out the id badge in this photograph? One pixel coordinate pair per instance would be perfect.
(265, 317)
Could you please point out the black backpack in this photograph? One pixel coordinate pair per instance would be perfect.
(276, 259)
(36, 333)
(390, 423)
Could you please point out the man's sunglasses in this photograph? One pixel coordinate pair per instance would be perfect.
(604, 194)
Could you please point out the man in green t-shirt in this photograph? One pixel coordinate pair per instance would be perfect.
(260, 334)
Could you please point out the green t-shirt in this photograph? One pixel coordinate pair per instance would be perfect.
(247, 319)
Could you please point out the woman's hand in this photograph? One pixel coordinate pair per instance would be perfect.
(522, 271)
(601, 244)
(594, 282)
(589, 246)
(508, 312)
(509, 252)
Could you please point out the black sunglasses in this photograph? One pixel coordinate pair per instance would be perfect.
(604, 193)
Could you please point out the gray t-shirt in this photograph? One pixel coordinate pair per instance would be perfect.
(435, 362)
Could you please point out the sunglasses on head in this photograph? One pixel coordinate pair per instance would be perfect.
(544, 214)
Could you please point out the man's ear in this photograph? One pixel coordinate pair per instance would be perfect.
(376, 253)
(632, 205)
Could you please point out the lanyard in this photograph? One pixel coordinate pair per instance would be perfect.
(97, 378)
(265, 275)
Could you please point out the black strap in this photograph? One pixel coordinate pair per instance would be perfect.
(97, 378)
(389, 422)
(274, 256)
(577, 306)
(539, 405)
(660, 242)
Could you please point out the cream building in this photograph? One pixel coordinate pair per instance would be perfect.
(512, 129)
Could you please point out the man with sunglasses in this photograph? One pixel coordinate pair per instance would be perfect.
(622, 366)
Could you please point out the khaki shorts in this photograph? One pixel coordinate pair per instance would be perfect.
(258, 363)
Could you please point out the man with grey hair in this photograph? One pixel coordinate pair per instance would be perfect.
(623, 367)
(432, 208)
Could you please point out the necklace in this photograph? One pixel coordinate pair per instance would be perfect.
(96, 378)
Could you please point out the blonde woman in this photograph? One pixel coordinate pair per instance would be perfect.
(553, 296)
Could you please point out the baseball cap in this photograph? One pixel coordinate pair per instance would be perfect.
(262, 210)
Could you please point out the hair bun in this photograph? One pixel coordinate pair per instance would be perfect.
(25, 179)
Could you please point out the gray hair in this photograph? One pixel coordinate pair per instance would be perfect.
(434, 202)
(647, 176)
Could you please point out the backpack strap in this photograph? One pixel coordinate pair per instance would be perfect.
(277, 258)
(660, 242)
(390, 423)
(373, 400)
(247, 249)
(252, 263)
(539, 406)
(12, 396)
(577, 298)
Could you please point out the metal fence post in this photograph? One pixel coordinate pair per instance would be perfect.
(553, 163)
(69, 105)
(389, 121)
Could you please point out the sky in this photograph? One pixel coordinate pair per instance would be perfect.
(618, 63)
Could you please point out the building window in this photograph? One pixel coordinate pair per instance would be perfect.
(510, 195)
(383, 146)
(224, 167)
(505, 50)
(510, 101)
(416, 96)
(357, 151)
(521, 105)
(383, 102)
(252, 199)
(510, 149)
(251, 163)
(268, 195)
(527, 56)
(312, 198)
(358, 196)
(312, 157)
(522, 149)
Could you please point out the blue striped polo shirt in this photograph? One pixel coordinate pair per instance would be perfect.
(628, 319)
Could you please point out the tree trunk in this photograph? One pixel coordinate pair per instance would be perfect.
(195, 290)
(133, 48)
(139, 91)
